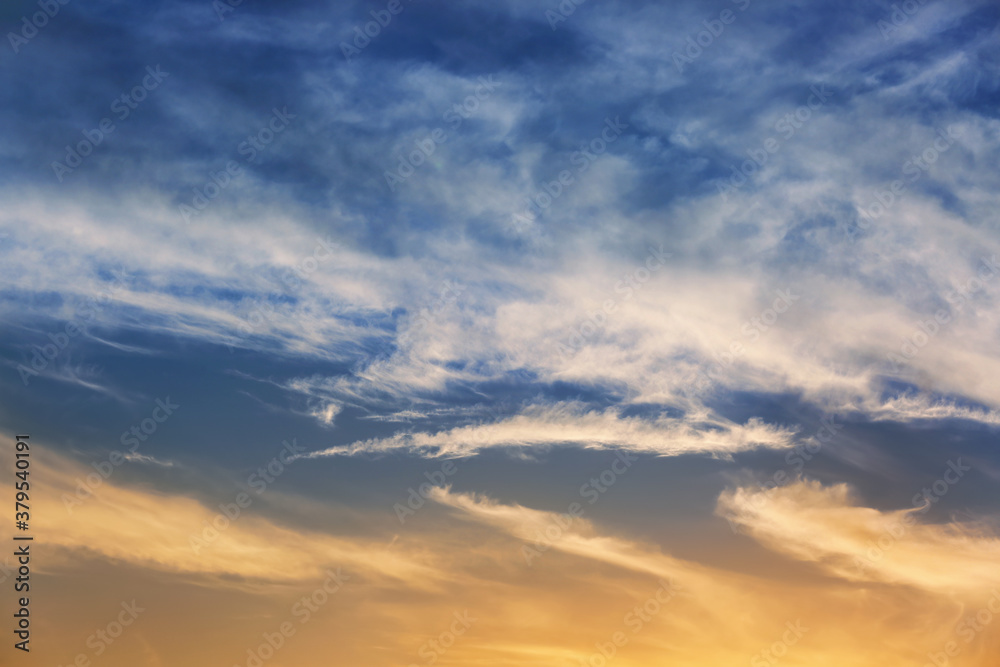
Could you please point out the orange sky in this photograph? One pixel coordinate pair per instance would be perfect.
(453, 586)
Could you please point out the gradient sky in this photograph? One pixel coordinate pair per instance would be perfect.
(685, 312)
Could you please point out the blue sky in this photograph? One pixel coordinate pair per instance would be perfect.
(694, 232)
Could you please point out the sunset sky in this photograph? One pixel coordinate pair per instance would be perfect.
(482, 334)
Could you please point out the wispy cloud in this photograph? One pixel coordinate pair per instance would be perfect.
(826, 525)
(573, 424)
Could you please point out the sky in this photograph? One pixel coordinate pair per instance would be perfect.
(400, 332)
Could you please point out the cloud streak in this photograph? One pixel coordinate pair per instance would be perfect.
(573, 424)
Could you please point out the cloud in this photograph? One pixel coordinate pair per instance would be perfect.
(572, 424)
(176, 534)
(825, 525)
(373, 303)
(145, 458)
(585, 582)
(639, 309)
(325, 414)
(914, 408)
(845, 624)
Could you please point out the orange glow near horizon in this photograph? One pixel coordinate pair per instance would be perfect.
(469, 584)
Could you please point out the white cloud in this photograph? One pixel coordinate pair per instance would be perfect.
(827, 526)
(570, 423)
